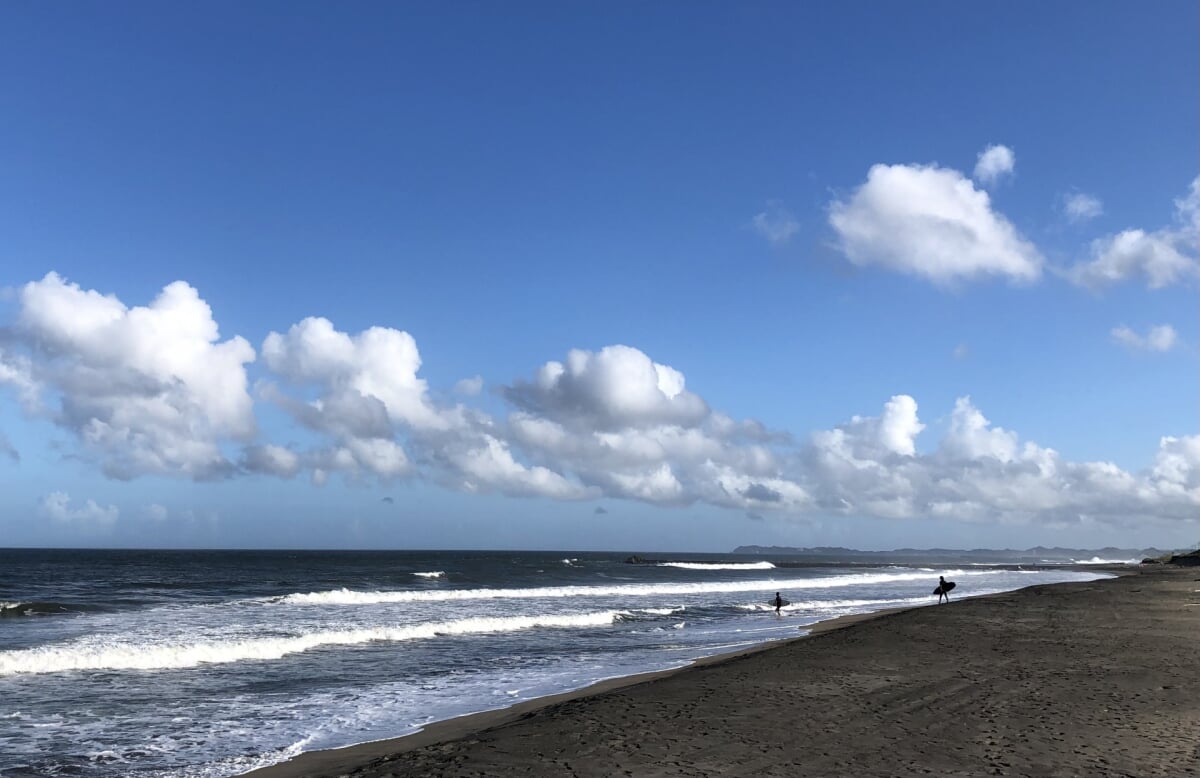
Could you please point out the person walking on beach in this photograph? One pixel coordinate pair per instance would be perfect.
(778, 603)
(943, 589)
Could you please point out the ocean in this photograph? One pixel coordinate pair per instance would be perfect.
(213, 663)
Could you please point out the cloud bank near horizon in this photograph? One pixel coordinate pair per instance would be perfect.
(155, 390)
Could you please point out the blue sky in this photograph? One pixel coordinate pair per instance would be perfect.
(670, 276)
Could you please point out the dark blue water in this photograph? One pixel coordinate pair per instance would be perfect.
(211, 663)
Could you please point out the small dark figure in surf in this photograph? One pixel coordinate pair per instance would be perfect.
(943, 589)
(778, 603)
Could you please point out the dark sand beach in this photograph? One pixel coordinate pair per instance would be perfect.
(1089, 679)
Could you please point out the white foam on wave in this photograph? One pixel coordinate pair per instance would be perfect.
(1098, 561)
(719, 565)
(354, 597)
(241, 763)
(431, 574)
(832, 605)
(129, 655)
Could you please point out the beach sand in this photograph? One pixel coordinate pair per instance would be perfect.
(1085, 679)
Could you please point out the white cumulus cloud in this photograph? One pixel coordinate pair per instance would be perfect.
(1162, 257)
(930, 222)
(271, 459)
(379, 363)
(1130, 253)
(367, 393)
(622, 425)
(972, 437)
(145, 389)
(486, 463)
(980, 472)
(615, 387)
(380, 420)
(1176, 468)
(607, 424)
(994, 163)
(1160, 338)
(873, 437)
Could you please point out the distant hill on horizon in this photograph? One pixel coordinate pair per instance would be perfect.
(1036, 553)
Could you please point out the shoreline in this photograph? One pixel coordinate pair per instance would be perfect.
(340, 760)
(335, 760)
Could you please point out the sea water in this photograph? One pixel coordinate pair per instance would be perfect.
(212, 663)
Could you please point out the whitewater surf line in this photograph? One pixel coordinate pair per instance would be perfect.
(173, 656)
(353, 597)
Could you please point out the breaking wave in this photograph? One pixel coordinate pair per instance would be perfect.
(719, 565)
(122, 655)
(15, 609)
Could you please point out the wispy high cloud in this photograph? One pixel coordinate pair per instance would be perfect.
(57, 507)
(156, 512)
(1160, 338)
(7, 448)
(1080, 207)
(776, 224)
(469, 387)
(931, 222)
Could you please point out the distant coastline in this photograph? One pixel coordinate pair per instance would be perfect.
(1034, 555)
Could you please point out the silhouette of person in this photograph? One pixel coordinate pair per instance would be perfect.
(778, 603)
(942, 590)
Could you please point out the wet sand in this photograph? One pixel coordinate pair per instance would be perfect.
(1082, 679)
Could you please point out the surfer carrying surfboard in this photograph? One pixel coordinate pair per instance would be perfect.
(943, 589)
(778, 603)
